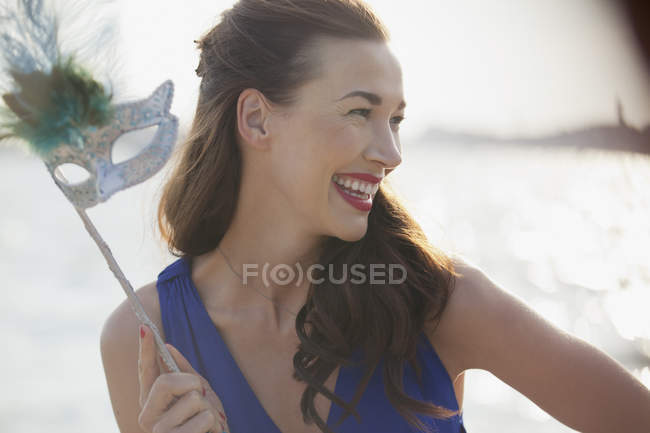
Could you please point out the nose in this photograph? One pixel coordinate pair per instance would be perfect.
(385, 149)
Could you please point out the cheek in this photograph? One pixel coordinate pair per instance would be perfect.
(300, 174)
(314, 150)
(342, 150)
(347, 137)
(333, 136)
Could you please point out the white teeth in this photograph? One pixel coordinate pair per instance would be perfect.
(360, 189)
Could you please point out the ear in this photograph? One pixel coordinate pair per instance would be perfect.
(253, 115)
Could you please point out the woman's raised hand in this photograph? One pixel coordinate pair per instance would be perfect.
(181, 402)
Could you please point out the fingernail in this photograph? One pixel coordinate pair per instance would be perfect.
(222, 415)
(142, 331)
(203, 392)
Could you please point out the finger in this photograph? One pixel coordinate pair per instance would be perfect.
(164, 392)
(148, 369)
(161, 364)
(189, 405)
(204, 421)
(185, 366)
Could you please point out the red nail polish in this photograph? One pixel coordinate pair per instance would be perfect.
(203, 392)
(222, 415)
(142, 332)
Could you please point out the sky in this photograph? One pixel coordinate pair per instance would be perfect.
(502, 67)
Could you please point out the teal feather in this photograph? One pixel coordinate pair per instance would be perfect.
(53, 109)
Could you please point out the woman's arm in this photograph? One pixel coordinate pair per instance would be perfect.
(570, 379)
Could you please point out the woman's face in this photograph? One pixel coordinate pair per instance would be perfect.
(343, 126)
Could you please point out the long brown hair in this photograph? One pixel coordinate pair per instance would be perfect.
(265, 45)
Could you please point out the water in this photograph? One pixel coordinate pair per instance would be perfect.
(567, 232)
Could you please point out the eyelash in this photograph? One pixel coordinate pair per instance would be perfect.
(400, 118)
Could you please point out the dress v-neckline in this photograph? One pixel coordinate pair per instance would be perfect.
(231, 359)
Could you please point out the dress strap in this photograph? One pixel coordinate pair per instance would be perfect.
(178, 267)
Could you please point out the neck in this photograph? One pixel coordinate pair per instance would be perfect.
(258, 245)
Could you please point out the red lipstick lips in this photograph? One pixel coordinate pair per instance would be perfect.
(363, 204)
(360, 203)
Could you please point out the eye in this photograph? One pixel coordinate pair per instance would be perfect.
(364, 110)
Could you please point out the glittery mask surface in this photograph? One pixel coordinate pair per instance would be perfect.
(93, 151)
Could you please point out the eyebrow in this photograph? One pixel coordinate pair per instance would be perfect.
(373, 98)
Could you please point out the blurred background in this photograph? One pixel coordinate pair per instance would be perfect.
(526, 149)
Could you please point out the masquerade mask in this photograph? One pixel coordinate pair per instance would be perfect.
(65, 116)
(107, 178)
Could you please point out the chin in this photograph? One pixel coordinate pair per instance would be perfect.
(352, 232)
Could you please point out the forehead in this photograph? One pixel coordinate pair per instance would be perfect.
(347, 65)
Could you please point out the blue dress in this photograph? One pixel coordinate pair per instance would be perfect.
(189, 328)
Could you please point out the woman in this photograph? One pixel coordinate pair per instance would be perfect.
(296, 129)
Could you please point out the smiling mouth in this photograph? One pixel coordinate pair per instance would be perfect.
(355, 187)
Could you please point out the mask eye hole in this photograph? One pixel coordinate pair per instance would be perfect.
(131, 143)
(70, 173)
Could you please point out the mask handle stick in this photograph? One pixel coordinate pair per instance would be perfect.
(126, 285)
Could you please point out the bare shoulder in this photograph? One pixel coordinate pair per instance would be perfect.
(485, 326)
(449, 334)
(123, 321)
(119, 344)
(459, 336)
